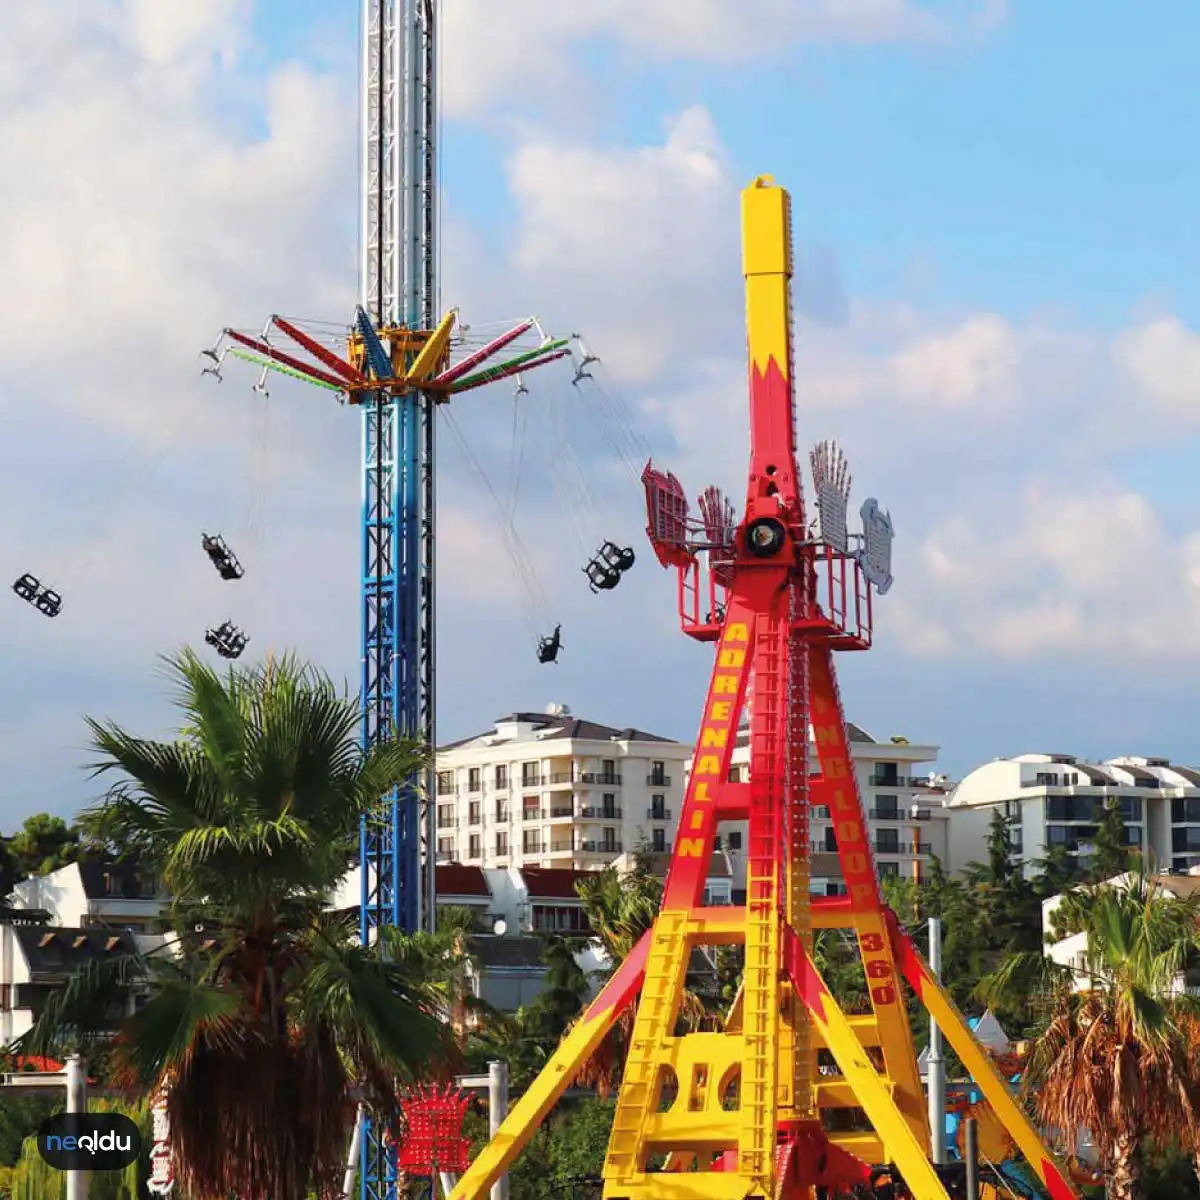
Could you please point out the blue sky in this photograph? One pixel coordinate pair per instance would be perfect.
(999, 281)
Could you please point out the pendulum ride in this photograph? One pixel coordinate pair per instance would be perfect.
(793, 1098)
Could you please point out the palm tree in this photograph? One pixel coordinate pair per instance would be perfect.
(268, 1023)
(1113, 1060)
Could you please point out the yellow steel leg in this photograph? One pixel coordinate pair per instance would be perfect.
(977, 1061)
(910, 1156)
(555, 1077)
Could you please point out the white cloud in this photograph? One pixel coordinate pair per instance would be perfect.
(533, 53)
(1054, 573)
(1161, 359)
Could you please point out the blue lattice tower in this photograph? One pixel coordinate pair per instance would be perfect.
(398, 289)
(396, 368)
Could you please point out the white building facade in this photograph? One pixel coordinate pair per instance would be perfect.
(552, 790)
(1058, 800)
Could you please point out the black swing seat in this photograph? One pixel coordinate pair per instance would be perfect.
(31, 589)
(227, 640)
(548, 647)
(221, 556)
(606, 567)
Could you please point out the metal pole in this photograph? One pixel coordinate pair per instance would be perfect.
(77, 1181)
(937, 1064)
(972, 1154)
(497, 1111)
(353, 1157)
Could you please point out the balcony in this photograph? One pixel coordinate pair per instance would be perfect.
(561, 848)
(447, 823)
(904, 781)
(534, 814)
(600, 847)
(591, 813)
(559, 779)
(921, 848)
(532, 781)
(658, 814)
(562, 812)
(599, 780)
(445, 856)
(654, 779)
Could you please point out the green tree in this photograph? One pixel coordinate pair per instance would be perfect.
(43, 844)
(1114, 1059)
(268, 1019)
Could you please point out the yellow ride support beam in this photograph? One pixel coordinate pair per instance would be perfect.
(555, 1077)
(434, 352)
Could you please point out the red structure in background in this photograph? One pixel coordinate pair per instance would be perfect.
(433, 1139)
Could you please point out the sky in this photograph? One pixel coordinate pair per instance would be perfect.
(997, 291)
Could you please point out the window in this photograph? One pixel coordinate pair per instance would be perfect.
(609, 837)
(1073, 808)
(445, 783)
(610, 809)
(475, 779)
(1131, 808)
(502, 843)
(735, 775)
(501, 810)
(1185, 840)
(529, 774)
(531, 841)
(830, 841)
(735, 840)
(658, 808)
(556, 918)
(445, 816)
(445, 847)
(1185, 809)
(475, 813)
(886, 775)
(887, 841)
(475, 846)
(658, 774)
(531, 808)
(889, 870)
(608, 771)
(501, 778)
(658, 839)
(887, 808)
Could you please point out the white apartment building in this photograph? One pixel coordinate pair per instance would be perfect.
(552, 790)
(905, 815)
(1057, 799)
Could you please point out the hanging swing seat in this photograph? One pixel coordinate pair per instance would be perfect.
(227, 640)
(606, 567)
(548, 647)
(221, 556)
(47, 601)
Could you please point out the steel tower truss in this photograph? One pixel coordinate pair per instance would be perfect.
(744, 1114)
(397, 369)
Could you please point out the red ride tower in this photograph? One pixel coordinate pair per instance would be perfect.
(792, 1094)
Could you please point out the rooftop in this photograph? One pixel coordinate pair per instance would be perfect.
(557, 723)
